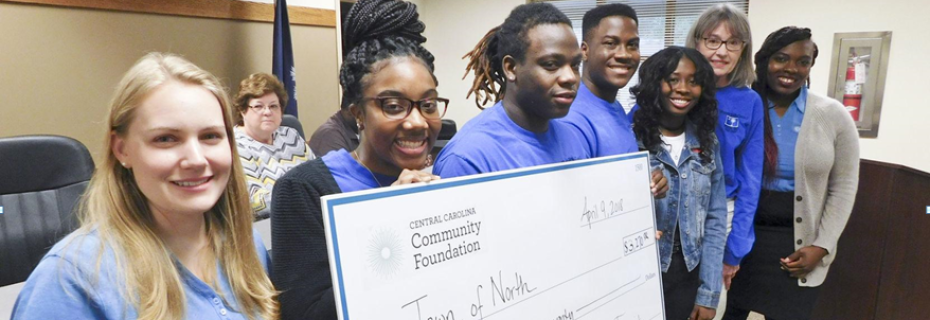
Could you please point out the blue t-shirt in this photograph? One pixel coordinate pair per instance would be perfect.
(603, 124)
(785, 130)
(492, 142)
(67, 284)
(350, 175)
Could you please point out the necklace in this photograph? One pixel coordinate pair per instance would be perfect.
(372, 173)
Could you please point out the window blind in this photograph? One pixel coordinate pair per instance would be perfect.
(662, 23)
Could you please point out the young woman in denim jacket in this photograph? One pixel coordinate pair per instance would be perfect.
(675, 123)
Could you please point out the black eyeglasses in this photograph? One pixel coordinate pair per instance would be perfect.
(714, 43)
(399, 108)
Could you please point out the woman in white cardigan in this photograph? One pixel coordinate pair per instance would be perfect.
(811, 172)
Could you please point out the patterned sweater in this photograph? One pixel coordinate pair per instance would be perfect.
(264, 164)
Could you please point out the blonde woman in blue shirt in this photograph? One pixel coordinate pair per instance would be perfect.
(166, 227)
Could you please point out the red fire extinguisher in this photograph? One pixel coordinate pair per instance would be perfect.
(852, 98)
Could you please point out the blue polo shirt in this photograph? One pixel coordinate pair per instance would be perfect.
(492, 142)
(67, 284)
(603, 124)
(785, 130)
(351, 175)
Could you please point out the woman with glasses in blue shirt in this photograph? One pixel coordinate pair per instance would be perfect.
(387, 78)
(723, 36)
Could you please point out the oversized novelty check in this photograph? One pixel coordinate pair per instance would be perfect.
(565, 241)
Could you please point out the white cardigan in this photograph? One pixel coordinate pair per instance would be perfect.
(826, 178)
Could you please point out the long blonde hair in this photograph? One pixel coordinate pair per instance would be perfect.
(120, 214)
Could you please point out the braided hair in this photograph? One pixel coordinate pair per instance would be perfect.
(376, 30)
(649, 97)
(774, 42)
(508, 39)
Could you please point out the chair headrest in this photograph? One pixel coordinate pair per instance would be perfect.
(292, 122)
(42, 162)
(446, 132)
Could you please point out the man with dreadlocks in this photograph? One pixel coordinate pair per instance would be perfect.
(810, 184)
(529, 66)
(389, 87)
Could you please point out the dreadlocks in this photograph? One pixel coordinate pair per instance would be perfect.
(508, 39)
(376, 30)
(774, 42)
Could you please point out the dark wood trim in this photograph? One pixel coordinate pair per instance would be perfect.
(217, 9)
(880, 271)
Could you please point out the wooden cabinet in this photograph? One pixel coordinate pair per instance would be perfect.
(882, 268)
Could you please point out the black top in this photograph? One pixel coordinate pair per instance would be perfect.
(301, 263)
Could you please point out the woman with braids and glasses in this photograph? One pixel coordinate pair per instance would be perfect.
(675, 123)
(529, 66)
(387, 79)
(811, 173)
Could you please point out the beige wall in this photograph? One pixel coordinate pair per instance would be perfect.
(453, 28)
(319, 4)
(902, 136)
(58, 66)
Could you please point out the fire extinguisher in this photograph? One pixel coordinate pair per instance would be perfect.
(852, 98)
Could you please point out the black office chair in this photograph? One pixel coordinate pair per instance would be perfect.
(41, 180)
(292, 122)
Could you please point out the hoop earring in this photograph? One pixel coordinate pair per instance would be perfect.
(429, 160)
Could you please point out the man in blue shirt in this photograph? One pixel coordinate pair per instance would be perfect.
(610, 50)
(534, 55)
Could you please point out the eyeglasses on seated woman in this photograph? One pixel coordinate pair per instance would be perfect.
(267, 150)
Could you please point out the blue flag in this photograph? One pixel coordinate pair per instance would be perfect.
(283, 64)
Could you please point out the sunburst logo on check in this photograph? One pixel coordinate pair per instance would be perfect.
(384, 252)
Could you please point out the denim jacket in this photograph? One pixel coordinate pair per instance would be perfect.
(696, 200)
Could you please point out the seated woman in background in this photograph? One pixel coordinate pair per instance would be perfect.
(267, 149)
(165, 232)
(533, 57)
(675, 122)
(388, 79)
(811, 173)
